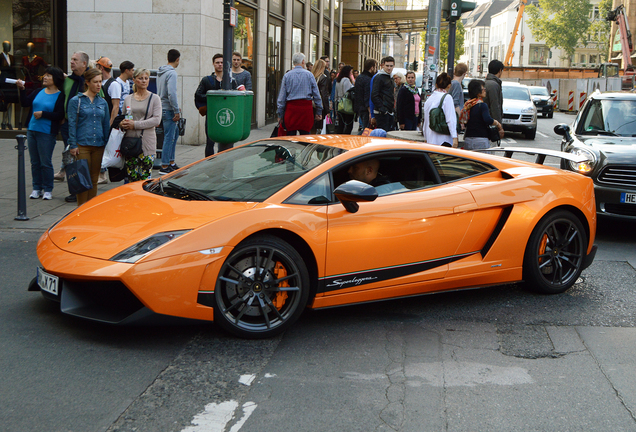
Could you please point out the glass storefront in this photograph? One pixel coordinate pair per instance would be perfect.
(244, 43)
(26, 33)
(274, 66)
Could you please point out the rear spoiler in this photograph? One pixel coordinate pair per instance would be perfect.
(540, 153)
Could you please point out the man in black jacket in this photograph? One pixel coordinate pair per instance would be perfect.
(382, 95)
(211, 82)
(362, 89)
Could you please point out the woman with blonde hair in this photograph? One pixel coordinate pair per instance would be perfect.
(146, 116)
(323, 87)
(89, 128)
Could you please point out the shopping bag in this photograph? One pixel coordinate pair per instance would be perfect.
(78, 177)
(112, 156)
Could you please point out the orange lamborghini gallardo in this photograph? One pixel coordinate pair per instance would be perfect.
(252, 236)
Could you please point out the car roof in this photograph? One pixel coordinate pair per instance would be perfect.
(512, 83)
(622, 95)
(345, 142)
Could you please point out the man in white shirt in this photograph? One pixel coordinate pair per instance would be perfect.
(121, 83)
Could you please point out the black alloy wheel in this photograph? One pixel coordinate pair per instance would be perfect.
(262, 288)
(555, 253)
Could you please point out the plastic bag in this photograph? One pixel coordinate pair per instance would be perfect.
(112, 157)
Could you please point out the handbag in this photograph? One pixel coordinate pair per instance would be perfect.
(181, 124)
(78, 177)
(493, 133)
(132, 146)
(345, 103)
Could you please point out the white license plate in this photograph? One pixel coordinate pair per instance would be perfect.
(628, 198)
(507, 120)
(48, 282)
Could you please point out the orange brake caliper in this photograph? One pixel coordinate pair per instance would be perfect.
(542, 247)
(281, 296)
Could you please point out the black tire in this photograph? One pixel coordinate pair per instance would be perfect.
(531, 134)
(554, 256)
(551, 114)
(260, 298)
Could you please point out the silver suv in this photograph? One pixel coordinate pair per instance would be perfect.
(519, 112)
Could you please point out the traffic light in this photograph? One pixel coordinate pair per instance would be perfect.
(452, 10)
(415, 65)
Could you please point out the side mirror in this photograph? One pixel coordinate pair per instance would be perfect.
(563, 130)
(353, 192)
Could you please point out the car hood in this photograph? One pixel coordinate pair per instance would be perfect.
(617, 150)
(114, 221)
(515, 106)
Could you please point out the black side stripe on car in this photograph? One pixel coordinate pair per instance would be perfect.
(503, 218)
(346, 280)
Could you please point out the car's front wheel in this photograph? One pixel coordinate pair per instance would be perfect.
(555, 253)
(262, 288)
(531, 134)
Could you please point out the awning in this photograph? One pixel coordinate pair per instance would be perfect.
(362, 22)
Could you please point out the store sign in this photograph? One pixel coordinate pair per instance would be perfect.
(233, 16)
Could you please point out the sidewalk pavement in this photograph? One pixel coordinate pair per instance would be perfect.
(43, 214)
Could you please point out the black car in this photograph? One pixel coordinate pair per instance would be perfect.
(542, 100)
(605, 132)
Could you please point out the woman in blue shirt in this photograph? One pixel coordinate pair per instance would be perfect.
(476, 117)
(89, 128)
(47, 111)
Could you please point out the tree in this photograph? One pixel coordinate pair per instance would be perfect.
(560, 23)
(443, 44)
(600, 29)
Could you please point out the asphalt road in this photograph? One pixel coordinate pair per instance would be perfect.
(495, 359)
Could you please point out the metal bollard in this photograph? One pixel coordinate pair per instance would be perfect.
(22, 211)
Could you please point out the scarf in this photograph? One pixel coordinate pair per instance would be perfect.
(465, 113)
(411, 88)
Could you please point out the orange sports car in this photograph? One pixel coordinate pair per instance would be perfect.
(252, 236)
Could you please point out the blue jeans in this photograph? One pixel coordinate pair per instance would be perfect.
(41, 147)
(170, 135)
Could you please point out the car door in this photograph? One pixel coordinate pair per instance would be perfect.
(400, 238)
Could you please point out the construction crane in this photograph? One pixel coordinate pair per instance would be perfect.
(522, 6)
(611, 69)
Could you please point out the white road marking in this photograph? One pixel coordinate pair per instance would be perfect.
(247, 379)
(542, 134)
(248, 409)
(214, 418)
(510, 141)
(269, 375)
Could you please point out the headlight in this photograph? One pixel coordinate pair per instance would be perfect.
(527, 110)
(144, 247)
(585, 167)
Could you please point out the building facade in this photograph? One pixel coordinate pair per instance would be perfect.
(268, 32)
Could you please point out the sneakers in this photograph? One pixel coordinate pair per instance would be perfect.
(166, 170)
(59, 176)
(36, 194)
(174, 167)
(47, 196)
(71, 198)
(103, 178)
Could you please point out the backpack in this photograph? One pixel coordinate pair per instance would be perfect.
(437, 119)
(107, 97)
(345, 104)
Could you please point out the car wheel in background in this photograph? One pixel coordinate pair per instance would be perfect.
(262, 288)
(531, 134)
(555, 253)
(551, 114)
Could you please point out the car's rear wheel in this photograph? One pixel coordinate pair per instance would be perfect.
(262, 288)
(555, 253)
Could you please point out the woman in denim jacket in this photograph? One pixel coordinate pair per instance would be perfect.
(89, 128)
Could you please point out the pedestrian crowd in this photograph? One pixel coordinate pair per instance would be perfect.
(91, 108)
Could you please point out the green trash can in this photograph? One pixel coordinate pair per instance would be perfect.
(229, 115)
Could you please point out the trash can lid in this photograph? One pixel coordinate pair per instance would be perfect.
(232, 93)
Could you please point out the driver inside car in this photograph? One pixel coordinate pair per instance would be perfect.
(367, 172)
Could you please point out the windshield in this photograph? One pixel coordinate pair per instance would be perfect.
(539, 91)
(249, 173)
(516, 93)
(609, 117)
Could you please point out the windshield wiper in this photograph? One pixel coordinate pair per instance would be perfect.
(193, 193)
(604, 132)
